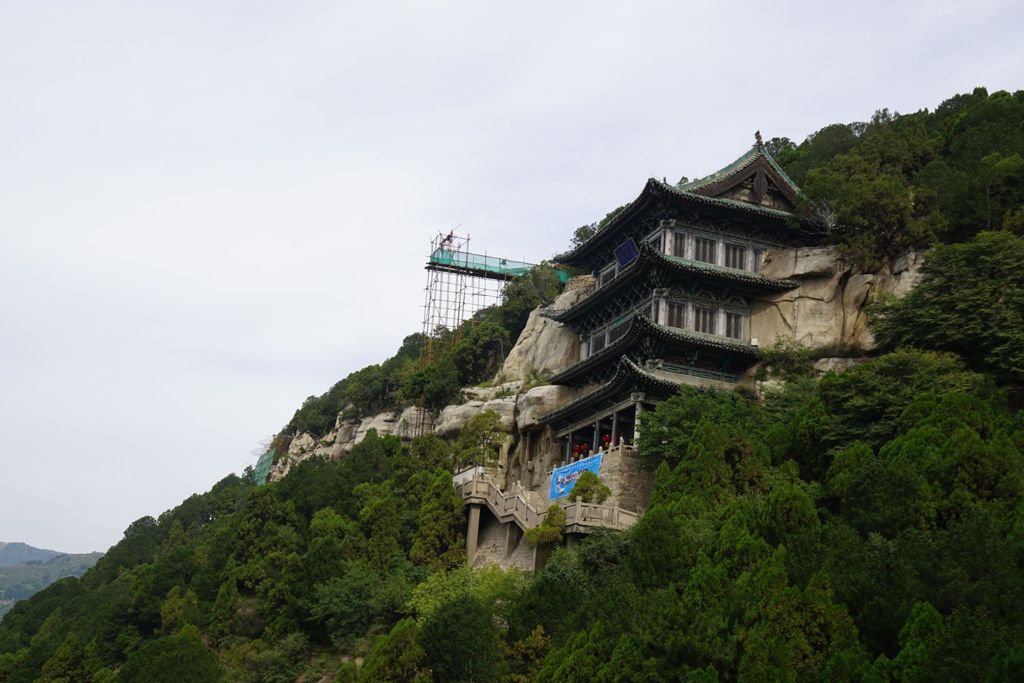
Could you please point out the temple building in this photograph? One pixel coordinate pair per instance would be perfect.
(682, 286)
(678, 286)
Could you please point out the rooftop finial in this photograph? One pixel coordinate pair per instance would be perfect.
(757, 138)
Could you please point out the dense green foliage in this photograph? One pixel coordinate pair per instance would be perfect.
(861, 526)
(589, 489)
(246, 582)
(780, 546)
(970, 301)
(913, 179)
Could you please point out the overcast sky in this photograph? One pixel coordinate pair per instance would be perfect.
(211, 210)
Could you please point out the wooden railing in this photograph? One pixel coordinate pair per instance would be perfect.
(579, 517)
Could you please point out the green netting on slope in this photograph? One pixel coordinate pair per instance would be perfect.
(262, 470)
(494, 265)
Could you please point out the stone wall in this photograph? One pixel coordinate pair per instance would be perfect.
(630, 484)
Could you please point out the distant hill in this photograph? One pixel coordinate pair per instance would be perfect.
(25, 570)
(20, 553)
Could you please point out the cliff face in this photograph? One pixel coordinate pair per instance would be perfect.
(545, 346)
(827, 308)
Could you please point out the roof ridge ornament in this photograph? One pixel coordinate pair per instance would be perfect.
(757, 139)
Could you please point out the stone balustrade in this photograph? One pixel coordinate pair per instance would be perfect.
(512, 507)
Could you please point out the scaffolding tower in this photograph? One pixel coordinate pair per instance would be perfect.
(460, 284)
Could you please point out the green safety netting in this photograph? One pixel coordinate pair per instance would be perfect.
(262, 470)
(485, 265)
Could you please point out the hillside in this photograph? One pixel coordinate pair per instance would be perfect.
(20, 553)
(22, 580)
(854, 526)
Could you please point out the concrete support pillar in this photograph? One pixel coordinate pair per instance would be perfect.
(472, 532)
(568, 449)
(615, 429)
(512, 536)
(597, 436)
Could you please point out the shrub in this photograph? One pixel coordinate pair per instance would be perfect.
(589, 489)
(551, 529)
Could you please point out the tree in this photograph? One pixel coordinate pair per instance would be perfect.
(345, 606)
(66, 665)
(182, 658)
(589, 489)
(398, 656)
(181, 607)
(969, 301)
(480, 440)
(439, 541)
(460, 642)
(550, 529)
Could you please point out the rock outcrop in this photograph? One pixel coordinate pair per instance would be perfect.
(537, 401)
(546, 346)
(454, 418)
(828, 307)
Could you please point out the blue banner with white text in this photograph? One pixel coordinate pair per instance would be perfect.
(564, 478)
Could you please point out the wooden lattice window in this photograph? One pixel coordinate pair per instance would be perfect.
(597, 342)
(679, 244)
(615, 333)
(676, 314)
(704, 250)
(758, 258)
(734, 325)
(735, 255)
(704, 319)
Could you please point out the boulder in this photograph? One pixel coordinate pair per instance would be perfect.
(453, 418)
(301, 445)
(327, 445)
(546, 346)
(505, 408)
(539, 400)
(414, 417)
(487, 393)
(384, 423)
(346, 435)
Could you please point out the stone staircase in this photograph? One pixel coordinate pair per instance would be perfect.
(580, 518)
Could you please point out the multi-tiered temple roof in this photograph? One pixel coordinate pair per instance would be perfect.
(678, 272)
